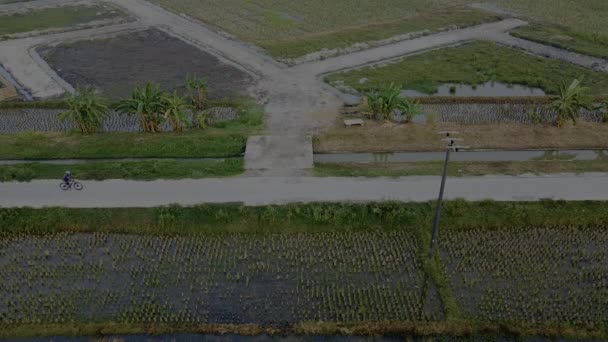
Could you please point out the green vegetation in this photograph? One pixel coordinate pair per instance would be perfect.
(148, 104)
(348, 36)
(293, 28)
(457, 169)
(357, 267)
(530, 274)
(572, 99)
(136, 170)
(192, 144)
(214, 219)
(198, 89)
(223, 139)
(592, 44)
(589, 19)
(176, 111)
(473, 63)
(57, 17)
(86, 109)
(385, 101)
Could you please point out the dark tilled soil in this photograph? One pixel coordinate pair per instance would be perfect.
(117, 65)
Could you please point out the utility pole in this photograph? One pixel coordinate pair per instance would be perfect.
(451, 146)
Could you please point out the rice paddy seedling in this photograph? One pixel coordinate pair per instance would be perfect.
(230, 278)
(535, 275)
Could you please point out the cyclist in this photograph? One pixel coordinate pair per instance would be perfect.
(67, 177)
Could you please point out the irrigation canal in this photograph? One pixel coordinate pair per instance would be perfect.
(370, 158)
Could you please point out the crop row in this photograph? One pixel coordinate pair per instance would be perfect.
(488, 113)
(15, 120)
(533, 275)
(276, 279)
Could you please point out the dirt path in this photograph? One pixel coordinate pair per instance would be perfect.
(281, 190)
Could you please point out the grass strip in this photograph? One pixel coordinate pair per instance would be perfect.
(192, 144)
(135, 170)
(565, 38)
(57, 17)
(301, 218)
(473, 63)
(452, 329)
(458, 169)
(390, 137)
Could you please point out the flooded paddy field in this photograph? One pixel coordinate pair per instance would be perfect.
(273, 280)
(530, 275)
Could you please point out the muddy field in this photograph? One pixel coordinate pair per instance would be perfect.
(276, 279)
(530, 275)
(117, 65)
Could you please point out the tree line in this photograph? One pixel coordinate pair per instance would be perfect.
(153, 107)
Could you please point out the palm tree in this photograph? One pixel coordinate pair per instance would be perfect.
(176, 111)
(148, 104)
(87, 110)
(383, 102)
(198, 90)
(571, 100)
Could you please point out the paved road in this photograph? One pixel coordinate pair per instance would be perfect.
(281, 190)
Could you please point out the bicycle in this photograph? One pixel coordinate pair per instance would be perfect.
(71, 185)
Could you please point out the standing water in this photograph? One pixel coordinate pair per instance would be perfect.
(485, 89)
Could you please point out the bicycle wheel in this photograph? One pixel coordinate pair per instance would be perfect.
(64, 186)
(77, 186)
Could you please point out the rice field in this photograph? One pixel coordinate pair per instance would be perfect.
(587, 16)
(289, 29)
(533, 275)
(57, 17)
(294, 28)
(276, 280)
(472, 63)
(524, 268)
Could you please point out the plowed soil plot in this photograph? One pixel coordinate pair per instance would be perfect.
(272, 279)
(532, 276)
(117, 65)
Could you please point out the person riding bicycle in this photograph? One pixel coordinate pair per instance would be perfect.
(67, 177)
